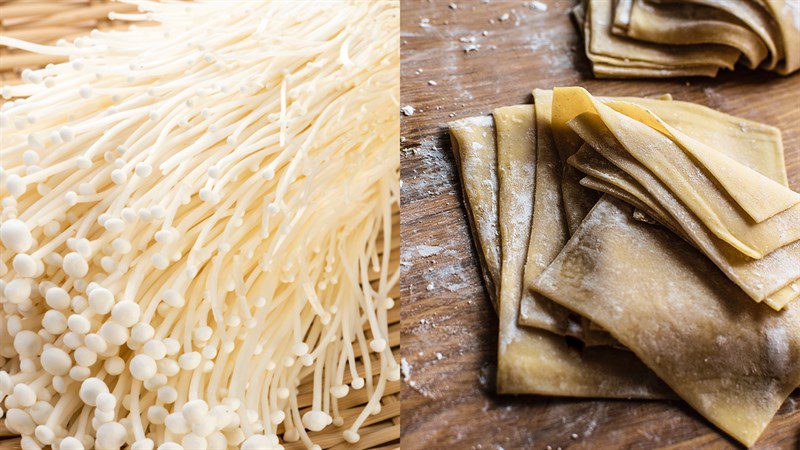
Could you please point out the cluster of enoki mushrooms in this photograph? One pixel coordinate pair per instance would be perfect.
(196, 219)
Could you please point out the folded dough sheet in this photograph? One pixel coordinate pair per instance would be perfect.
(560, 204)
(756, 17)
(675, 38)
(676, 168)
(475, 152)
(530, 361)
(687, 23)
(618, 56)
(731, 359)
(774, 20)
(753, 144)
(773, 278)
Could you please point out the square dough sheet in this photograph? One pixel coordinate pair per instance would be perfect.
(754, 16)
(685, 24)
(767, 279)
(604, 48)
(534, 361)
(733, 360)
(773, 279)
(745, 208)
(751, 143)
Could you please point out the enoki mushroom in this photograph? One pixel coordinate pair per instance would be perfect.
(196, 217)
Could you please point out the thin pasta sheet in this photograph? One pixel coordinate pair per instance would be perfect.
(537, 361)
(683, 163)
(759, 278)
(733, 360)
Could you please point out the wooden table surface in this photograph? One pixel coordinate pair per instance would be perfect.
(449, 332)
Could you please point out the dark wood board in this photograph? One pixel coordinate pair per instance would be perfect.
(449, 331)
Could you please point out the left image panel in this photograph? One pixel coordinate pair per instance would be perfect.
(199, 221)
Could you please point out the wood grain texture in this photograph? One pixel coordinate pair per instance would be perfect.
(449, 330)
(10, 444)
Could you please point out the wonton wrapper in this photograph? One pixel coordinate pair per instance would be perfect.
(687, 24)
(761, 197)
(777, 300)
(577, 200)
(733, 360)
(526, 357)
(753, 144)
(551, 208)
(761, 279)
(756, 18)
(603, 47)
(536, 361)
(601, 70)
(701, 177)
(641, 212)
(607, 178)
(475, 151)
(548, 229)
(548, 233)
(612, 68)
(787, 14)
(675, 38)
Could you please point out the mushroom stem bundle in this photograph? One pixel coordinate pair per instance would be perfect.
(196, 216)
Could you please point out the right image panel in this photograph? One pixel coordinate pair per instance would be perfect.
(600, 224)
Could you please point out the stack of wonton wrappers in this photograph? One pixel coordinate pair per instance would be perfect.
(660, 233)
(676, 38)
